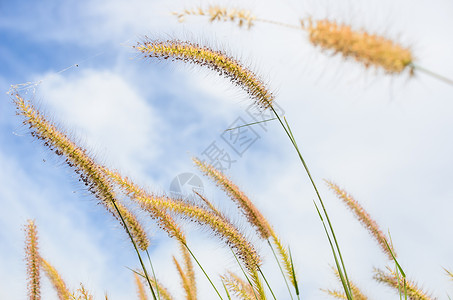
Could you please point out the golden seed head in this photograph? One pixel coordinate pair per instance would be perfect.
(215, 60)
(56, 280)
(140, 288)
(218, 13)
(368, 49)
(364, 218)
(220, 226)
(90, 172)
(238, 287)
(163, 219)
(33, 261)
(396, 281)
(189, 272)
(253, 215)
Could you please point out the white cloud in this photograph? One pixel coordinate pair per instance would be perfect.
(388, 144)
(108, 114)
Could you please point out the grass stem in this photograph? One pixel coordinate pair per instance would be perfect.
(204, 272)
(280, 267)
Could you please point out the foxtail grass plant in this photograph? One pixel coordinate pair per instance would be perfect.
(110, 187)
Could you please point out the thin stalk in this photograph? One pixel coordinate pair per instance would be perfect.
(226, 290)
(154, 274)
(136, 250)
(204, 272)
(278, 23)
(398, 267)
(249, 124)
(340, 273)
(431, 73)
(291, 137)
(267, 283)
(281, 270)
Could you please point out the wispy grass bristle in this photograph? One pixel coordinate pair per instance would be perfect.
(215, 60)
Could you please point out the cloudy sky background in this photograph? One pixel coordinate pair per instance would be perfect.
(387, 140)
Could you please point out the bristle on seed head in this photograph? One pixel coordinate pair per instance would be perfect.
(216, 60)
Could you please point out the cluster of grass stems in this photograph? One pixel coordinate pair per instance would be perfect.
(110, 187)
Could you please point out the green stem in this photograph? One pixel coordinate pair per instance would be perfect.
(196, 260)
(293, 141)
(281, 269)
(294, 273)
(226, 290)
(154, 274)
(136, 249)
(267, 283)
(245, 274)
(431, 73)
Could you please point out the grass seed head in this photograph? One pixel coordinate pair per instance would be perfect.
(56, 280)
(76, 157)
(243, 17)
(218, 61)
(368, 49)
(33, 261)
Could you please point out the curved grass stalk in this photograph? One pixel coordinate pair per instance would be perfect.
(90, 173)
(280, 267)
(226, 290)
(335, 250)
(154, 274)
(204, 272)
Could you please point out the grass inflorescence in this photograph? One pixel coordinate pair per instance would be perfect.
(218, 61)
(109, 186)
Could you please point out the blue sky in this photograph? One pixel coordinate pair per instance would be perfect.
(385, 139)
